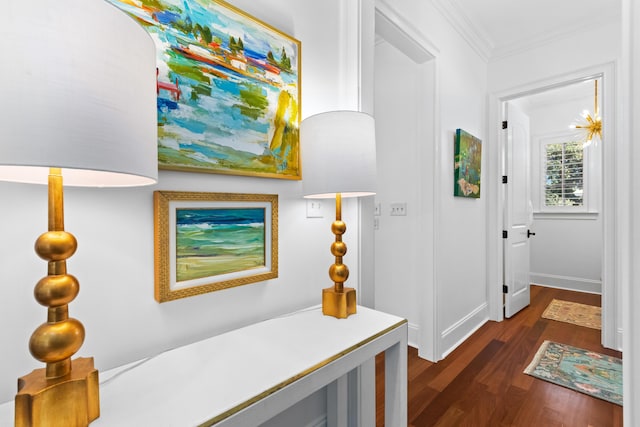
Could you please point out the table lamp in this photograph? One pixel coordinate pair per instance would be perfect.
(339, 153)
(78, 92)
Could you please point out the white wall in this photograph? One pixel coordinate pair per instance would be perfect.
(461, 224)
(397, 110)
(114, 227)
(460, 238)
(566, 251)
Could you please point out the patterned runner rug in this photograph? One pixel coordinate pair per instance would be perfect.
(575, 313)
(588, 372)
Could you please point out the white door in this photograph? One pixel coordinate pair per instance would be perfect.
(517, 215)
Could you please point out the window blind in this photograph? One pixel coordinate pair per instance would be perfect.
(564, 174)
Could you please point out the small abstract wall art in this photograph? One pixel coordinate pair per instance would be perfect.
(228, 88)
(210, 241)
(467, 165)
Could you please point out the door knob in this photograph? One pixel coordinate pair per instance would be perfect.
(529, 234)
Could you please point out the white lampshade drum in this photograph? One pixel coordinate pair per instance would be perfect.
(339, 154)
(78, 94)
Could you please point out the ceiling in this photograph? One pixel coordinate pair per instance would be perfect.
(501, 27)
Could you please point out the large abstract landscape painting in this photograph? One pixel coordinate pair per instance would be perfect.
(210, 241)
(228, 89)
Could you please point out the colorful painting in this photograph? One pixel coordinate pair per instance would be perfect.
(213, 241)
(228, 89)
(467, 164)
(210, 241)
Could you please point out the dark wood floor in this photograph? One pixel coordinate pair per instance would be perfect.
(481, 383)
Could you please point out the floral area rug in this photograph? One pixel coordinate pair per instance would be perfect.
(595, 374)
(575, 313)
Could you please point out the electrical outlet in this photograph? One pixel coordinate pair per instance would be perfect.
(399, 209)
(314, 208)
(376, 223)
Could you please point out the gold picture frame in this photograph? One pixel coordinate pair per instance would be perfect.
(206, 242)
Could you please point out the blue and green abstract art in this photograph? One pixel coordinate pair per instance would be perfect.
(228, 88)
(467, 165)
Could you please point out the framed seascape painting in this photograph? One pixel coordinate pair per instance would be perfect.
(228, 88)
(467, 164)
(205, 242)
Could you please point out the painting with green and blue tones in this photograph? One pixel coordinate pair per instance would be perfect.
(215, 241)
(467, 165)
(228, 89)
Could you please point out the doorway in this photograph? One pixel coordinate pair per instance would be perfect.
(562, 191)
(405, 242)
(602, 214)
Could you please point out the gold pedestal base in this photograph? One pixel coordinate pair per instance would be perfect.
(338, 304)
(69, 401)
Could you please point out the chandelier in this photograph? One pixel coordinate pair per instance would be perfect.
(591, 125)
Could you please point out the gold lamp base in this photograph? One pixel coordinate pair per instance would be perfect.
(338, 304)
(65, 393)
(72, 400)
(338, 301)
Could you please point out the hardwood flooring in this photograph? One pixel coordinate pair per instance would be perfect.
(481, 383)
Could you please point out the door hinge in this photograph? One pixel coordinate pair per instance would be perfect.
(505, 234)
(505, 124)
(505, 289)
(504, 179)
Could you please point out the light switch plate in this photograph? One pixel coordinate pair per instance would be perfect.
(399, 209)
(314, 208)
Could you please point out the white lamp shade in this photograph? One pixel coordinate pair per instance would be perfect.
(339, 154)
(78, 92)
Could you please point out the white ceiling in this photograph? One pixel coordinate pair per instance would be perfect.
(500, 27)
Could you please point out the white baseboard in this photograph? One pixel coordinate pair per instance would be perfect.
(566, 282)
(455, 335)
(319, 422)
(413, 334)
(619, 339)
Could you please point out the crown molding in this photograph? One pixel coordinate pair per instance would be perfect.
(514, 48)
(488, 50)
(470, 32)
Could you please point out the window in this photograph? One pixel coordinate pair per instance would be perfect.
(564, 174)
(565, 177)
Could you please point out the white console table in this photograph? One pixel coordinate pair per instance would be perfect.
(247, 376)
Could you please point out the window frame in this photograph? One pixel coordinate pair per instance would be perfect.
(590, 171)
